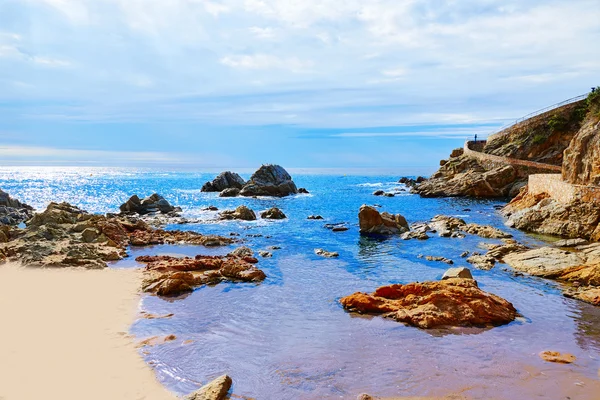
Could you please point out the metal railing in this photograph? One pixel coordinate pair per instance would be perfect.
(539, 112)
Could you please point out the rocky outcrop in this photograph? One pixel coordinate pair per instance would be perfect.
(542, 214)
(225, 180)
(12, 211)
(270, 180)
(451, 302)
(371, 221)
(215, 390)
(242, 212)
(581, 157)
(546, 262)
(448, 226)
(64, 235)
(172, 276)
(151, 204)
(273, 213)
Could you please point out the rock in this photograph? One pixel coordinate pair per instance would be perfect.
(464, 254)
(447, 226)
(451, 302)
(66, 236)
(339, 229)
(365, 396)
(242, 212)
(273, 213)
(151, 204)
(89, 235)
(587, 274)
(230, 192)
(541, 214)
(225, 180)
(587, 294)
(210, 208)
(371, 221)
(303, 191)
(242, 252)
(270, 180)
(414, 235)
(12, 211)
(440, 259)
(328, 254)
(580, 164)
(265, 254)
(314, 217)
(486, 231)
(570, 242)
(547, 262)
(378, 193)
(556, 357)
(389, 194)
(459, 272)
(482, 262)
(172, 276)
(215, 390)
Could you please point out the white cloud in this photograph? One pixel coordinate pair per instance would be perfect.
(262, 33)
(266, 61)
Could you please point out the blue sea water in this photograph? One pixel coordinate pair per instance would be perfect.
(288, 337)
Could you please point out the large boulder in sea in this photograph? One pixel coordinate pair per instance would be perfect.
(242, 212)
(273, 213)
(151, 204)
(371, 221)
(448, 303)
(270, 180)
(12, 211)
(225, 180)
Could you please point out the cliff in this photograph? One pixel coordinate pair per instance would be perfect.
(541, 139)
(567, 207)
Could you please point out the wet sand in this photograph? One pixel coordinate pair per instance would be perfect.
(63, 335)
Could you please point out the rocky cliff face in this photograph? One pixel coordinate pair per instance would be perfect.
(540, 139)
(580, 217)
(582, 158)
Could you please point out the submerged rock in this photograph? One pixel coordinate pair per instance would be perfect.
(439, 259)
(451, 302)
(556, 357)
(215, 390)
(371, 221)
(225, 180)
(273, 213)
(314, 217)
(327, 254)
(230, 192)
(269, 180)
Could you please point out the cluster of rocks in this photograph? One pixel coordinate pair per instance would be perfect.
(152, 204)
(173, 276)
(268, 180)
(372, 221)
(246, 214)
(327, 254)
(450, 302)
(12, 211)
(64, 235)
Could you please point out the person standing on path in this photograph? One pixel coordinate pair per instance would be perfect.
(475, 138)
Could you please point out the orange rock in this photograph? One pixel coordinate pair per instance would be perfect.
(556, 357)
(452, 302)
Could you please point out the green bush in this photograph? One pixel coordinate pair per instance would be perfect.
(557, 123)
(539, 138)
(593, 101)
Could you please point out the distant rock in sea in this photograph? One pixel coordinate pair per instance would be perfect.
(225, 180)
(151, 204)
(269, 180)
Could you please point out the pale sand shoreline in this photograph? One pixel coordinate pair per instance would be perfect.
(63, 335)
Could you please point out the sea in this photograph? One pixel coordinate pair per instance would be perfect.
(289, 338)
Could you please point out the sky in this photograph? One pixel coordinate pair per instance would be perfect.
(303, 83)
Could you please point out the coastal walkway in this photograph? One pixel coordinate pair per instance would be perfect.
(475, 150)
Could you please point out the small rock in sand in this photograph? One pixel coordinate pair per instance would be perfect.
(556, 357)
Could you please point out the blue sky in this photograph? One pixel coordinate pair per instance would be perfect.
(312, 83)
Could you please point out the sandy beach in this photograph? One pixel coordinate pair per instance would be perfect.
(64, 336)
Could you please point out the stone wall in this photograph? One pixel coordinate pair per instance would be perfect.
(560, 190)
(473, 149)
